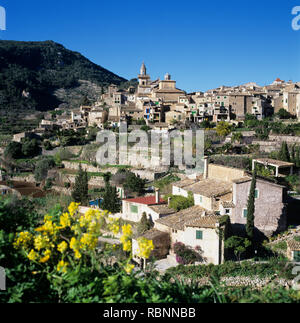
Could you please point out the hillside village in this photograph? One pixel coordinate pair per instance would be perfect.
(252, 135)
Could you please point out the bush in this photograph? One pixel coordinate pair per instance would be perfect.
(179, 203)
(186, 255)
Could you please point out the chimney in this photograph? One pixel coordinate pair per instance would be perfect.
(157, 196)
(205, 174)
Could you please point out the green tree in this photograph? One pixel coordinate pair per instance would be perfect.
(251, 208)
(134, 183)
(238, 245)
(111, 201)
(13, 150)
(80, 193)
(223, 129)
(41, 169)
(30, 148)
(145, 224)
(284, 154)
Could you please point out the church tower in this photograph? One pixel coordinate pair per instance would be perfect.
(144, 80)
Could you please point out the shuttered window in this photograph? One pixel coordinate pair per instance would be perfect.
(134, 209)
(199, 235)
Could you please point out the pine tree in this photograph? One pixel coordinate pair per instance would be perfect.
(80, 193)
(251, 208)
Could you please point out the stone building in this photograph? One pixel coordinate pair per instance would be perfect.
(195, 227)
(225, 190)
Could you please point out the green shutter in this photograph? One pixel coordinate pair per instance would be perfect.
(199, 235)
(134, 209)
(297, 256)
(245, 212)
(256, 194)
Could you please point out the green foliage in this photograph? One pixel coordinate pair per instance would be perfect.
(27, 149)
(166, 181)
(238, 245)
(134, 183)
(13, 150)
(41, 169)
(144, 225)
(22, 285)
(283, 114)
(40, 68)
(80, 192)
(234, 269)
(187, 255)
(179, 202)
(284, 154)
(223, 129)
(111, 201)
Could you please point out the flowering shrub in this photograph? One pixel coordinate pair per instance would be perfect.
(66, 244)
(186, 255)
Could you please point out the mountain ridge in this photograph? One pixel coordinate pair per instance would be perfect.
(32, 71)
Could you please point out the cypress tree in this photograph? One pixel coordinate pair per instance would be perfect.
(111, 201)
(297, 156)
(284, 154)
(293, 153)
(80, 193)
(251, 208)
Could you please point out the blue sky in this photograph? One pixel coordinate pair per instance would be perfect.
(202, 44)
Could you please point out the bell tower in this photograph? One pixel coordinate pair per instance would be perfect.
(144, 79)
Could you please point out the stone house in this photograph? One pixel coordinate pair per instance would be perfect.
(195, 227)
(293, 250)
(161, 242)
(225, 190)
(153, 206)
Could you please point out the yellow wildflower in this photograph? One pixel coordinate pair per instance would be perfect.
(89, 241)
(41, 242)
(74, 244)
(46, 257)
(127, 246)
(62, 266)
(65, 221)
(77, 254)
(127, 230)
(145, 248)
(32, 255)
(129, 268)
(24, 239)
(73, 208)
(62, 247)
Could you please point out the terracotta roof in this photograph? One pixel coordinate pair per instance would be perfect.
(228, 205)
(155, 234)
(146, 200)
(294, 245)
(242, 180)
(210, 187)
(162, 209)
(190, 217)
(184, 183)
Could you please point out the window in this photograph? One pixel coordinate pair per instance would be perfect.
(199, 235)
(256, 194)
(200, 199)
(245, 213)
(227, 211)
(297, 256)
(134, 209)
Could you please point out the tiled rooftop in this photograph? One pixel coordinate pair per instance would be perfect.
(192, 217)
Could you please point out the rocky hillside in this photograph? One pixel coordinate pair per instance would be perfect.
(43, 75)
